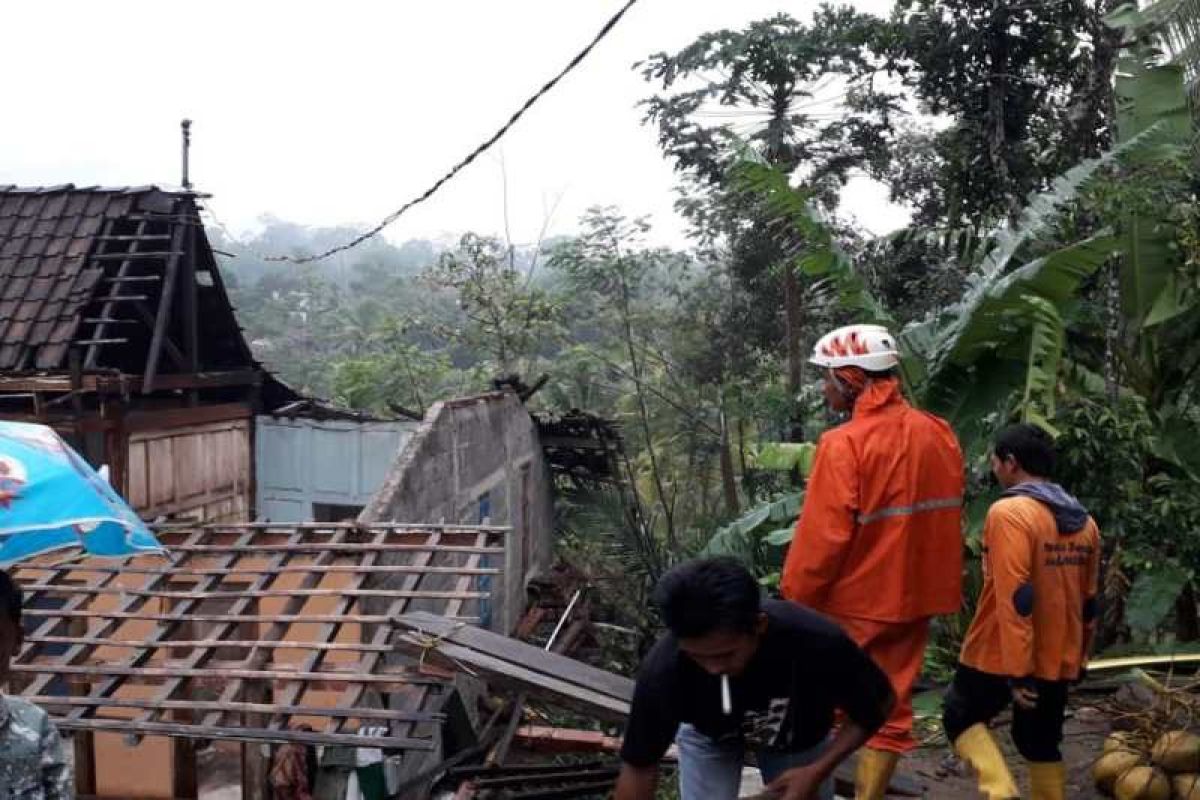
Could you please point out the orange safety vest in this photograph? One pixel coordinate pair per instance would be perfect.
(880, 534)
(1036, 611)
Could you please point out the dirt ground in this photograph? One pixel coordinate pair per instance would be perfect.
(946, 777)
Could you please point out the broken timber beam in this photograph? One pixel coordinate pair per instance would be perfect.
(507, 663)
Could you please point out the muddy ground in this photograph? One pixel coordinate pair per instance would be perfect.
(945, 777)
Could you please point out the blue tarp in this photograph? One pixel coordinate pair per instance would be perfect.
(51, 499)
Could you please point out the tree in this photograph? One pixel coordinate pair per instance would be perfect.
(773, 84)
(1027, 87)
(507, 316)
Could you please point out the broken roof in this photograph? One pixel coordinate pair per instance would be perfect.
(52, 266)
(247, 612)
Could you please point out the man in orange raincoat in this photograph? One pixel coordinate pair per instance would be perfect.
(1034, 623)
(878, 546)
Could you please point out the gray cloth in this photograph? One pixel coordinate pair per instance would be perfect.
(32, 763)
(1069, 513)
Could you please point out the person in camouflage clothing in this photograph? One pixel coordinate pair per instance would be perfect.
(32, 766)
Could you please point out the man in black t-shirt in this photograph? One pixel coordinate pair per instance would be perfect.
(737, 674)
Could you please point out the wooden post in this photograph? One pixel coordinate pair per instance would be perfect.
(184, 785)
(191, 312)
(116, 444)
(256, 764)
(82, 742)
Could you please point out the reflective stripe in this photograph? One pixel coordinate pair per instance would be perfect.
(903, 511)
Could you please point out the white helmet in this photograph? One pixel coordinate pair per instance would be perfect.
(870, 347)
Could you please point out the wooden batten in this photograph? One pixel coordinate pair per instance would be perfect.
(247, 632)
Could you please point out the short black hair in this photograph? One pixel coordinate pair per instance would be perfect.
(1030, 446)
(707, 595)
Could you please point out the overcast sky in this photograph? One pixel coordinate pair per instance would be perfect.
(326, 113)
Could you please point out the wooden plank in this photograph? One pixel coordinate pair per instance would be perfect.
(1128, 662)
(511, 650)
(259, 594)
(302, 568)
(317, 547)
(163, 317)
(221, 643)
(134, 279)
(259, 735)
(287, 527)
(189, 291)
(347, 619)
(115, 671)
(135, 256)
(182, 417)
(208, 380)
(516, 677)
(52, 701)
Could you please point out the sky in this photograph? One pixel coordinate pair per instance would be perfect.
(328, 113)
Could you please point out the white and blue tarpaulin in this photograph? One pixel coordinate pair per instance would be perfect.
(51, 499)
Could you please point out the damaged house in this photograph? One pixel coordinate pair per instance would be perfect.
(273, 624)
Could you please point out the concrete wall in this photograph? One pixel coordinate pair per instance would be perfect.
(300, 462)
(474, 460)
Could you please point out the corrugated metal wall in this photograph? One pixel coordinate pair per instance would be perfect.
(302, 462)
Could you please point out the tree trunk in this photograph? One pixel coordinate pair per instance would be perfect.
(728, 477)
(795, 361)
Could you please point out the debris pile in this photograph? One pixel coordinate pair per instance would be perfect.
(1155, 753)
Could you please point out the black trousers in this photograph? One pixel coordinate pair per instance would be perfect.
(977, 697)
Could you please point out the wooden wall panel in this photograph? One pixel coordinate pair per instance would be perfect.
(200, 471)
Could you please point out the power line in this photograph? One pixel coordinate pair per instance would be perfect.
(478, 151)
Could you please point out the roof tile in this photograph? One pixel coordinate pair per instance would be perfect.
(46, 235)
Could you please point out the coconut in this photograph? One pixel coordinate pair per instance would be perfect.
(1186, 787)
(1121, 740)
(1143, 783)
(1177, 751)
(1112, 765)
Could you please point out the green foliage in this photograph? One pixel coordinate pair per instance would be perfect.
(783, 456)
(506, 316)
(774, 72)
(760, 537)
(1025, 87)
(1152, 598)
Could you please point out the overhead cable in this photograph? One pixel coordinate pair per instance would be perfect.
(474, 154)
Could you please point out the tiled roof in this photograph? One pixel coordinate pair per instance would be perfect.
(47, 278)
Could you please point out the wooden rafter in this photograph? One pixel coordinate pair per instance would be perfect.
(312, 660)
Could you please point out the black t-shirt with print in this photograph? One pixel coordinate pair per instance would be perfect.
(804, 669)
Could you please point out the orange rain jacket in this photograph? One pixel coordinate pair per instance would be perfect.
(880, 534)
(1037, 608)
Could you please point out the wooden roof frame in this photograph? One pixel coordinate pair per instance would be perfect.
(243, 565)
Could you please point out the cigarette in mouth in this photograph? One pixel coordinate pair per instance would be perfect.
(726, 697)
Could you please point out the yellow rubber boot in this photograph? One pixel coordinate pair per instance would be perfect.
(875, 768)
(977, 747)
(1048, 780)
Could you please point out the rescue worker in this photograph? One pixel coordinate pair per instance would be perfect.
(1033, 627)
(878, 545)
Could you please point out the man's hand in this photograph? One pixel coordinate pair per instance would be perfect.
(1025, 695)
(798, 783)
